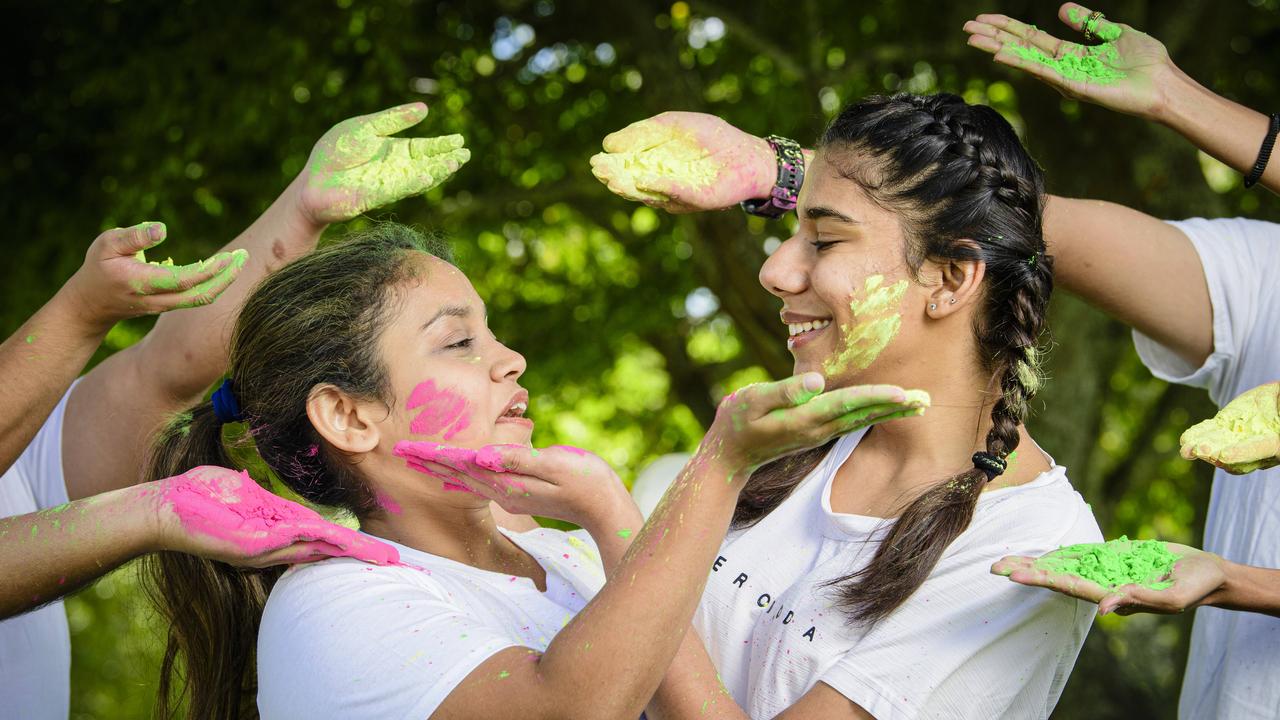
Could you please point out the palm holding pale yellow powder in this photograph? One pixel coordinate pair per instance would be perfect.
(1243, 437)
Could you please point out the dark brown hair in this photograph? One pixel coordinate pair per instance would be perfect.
(964, 189)
(316, 321)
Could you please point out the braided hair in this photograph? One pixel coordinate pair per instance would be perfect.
(964, 189)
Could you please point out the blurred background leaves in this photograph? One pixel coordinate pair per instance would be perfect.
(634, 322)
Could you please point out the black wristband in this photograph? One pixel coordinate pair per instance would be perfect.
(786, 189)
(1264, 154)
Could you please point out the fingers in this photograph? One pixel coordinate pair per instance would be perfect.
(349, 543)
(637, 136)
(791, 392)
(393, 120)
(155, 278)
(132, 240)
(1076, 16)
(430, 146)
(840, 402)
(865, 418)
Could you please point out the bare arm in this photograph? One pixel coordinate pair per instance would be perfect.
(1135, 75)
(119, 405)
(207, 511)
(40, 360)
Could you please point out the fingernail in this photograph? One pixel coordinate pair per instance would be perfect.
(813, 382)
(156, 230)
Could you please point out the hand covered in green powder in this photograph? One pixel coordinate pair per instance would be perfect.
(1126, 73)
(765, 421)
(356, 166)
(685, 162)
(1192, 580)
(116, 282)
(1243, 437)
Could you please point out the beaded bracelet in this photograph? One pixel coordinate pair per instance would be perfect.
(1265, 153)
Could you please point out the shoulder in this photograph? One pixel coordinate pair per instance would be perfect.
(337, 585)
(1044, 513)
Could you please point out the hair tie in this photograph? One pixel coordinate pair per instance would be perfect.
(989, 464)
(225, 406)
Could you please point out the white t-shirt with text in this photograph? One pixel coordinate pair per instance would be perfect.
(343, 639)
(967, 644)
(35, 647)
(1234, 663)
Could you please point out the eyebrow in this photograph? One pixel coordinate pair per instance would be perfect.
(820, 212)
(461, 311)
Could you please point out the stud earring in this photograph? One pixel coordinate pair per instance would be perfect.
(933, 306)
(952, 301)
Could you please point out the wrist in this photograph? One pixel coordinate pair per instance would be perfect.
(297, 214)
(618, 512)
(74, 310)
(764, 168)
(1176, 95)
(1224, 594)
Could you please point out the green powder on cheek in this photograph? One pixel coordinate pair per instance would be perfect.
(876, 323)
(1115, 563)
(1094, 65)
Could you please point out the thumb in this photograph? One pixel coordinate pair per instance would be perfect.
(393, 120)
(133, 240)
(795, 390)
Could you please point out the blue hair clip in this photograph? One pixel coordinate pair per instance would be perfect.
(225, 406)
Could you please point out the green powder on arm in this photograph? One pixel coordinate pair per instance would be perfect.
(1115, 563)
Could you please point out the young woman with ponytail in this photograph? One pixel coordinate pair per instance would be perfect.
(855, 581)
(364, 373)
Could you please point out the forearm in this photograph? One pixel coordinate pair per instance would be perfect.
(652, 596)
(1227, 130)
(51, 553)
(692, 688)
(187, 350)
(1248, 588)
(37, 365)
(614, 532)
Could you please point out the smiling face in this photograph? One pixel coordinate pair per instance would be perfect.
(849, 299)
(451, 380)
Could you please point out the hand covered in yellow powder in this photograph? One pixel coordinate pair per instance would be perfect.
(685, 162)
(1126, 73)
(116, 282)
(356, 166)
(1244, 436)
(1196, 577)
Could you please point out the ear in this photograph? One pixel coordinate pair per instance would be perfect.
(958, 285)
(341, 420)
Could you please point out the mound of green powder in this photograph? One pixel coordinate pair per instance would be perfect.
(1089, 67)
(1118, 562)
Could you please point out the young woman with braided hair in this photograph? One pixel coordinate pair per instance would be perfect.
(855, 582)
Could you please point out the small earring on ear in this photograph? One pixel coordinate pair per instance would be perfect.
(952, 301)
(933, 306)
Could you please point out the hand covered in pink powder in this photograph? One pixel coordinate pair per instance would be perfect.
(117, 282)
(685, 162)
(561, 482)
(356, 166)
(1130, 72)
(1196, 577)
(224, 515)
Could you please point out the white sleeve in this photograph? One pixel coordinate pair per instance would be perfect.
(971, 644)
(338, 641)
(36, 476)
(1239, 258)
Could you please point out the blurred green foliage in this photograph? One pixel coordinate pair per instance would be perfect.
(635, 323)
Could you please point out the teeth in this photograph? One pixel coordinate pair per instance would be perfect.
(517, 410)
(797, 328)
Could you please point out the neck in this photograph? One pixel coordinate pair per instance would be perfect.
(460, 530)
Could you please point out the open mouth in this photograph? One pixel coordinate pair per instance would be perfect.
(516, 409)
(802, 332)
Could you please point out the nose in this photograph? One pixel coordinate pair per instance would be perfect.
(508, 366)
(785, 272)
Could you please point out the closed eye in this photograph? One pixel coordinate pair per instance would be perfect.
(821, 245)
(460, 345)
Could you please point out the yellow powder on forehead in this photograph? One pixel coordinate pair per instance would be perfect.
(1245, 434)
(875, 323)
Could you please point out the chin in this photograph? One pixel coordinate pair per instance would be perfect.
(505, 433)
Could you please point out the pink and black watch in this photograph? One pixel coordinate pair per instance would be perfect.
(786, 189)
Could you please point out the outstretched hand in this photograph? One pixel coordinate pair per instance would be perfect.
(1194, 578)
(1243, 437)
(224, 515)
(117, 282)
(356, 166)
(1127, 72)
(685, 162)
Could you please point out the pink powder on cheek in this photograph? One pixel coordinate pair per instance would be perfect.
(443, 411)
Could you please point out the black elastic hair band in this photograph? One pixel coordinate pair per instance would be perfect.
(989, 464)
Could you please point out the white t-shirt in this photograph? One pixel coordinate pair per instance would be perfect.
(967, 644)
(343, 639)
(35, 648)
(1234, 663)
